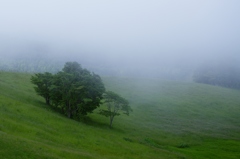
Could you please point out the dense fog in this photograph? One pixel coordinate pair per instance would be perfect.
(156, 38)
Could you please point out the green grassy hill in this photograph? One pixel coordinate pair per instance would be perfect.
(169, 120)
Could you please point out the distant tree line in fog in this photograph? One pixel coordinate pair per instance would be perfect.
(220, 75)
(41, 64)
(30, 65)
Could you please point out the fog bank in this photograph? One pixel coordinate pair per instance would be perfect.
(122, 38)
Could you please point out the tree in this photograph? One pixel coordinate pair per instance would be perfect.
(74, 90)
(63, 94)
(82, 88)
(43, 82)
(115, 104)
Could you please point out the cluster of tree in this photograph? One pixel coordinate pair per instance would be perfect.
(221, 75)
(76, 91)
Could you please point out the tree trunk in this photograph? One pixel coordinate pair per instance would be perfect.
(47, 101)
(69, 111)
(111, 121)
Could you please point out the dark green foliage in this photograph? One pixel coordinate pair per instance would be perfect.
(115, 104)
(74, 90)
(43, 82)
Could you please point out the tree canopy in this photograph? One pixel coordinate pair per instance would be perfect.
(43, 83)
(115, 105)
(74, 90)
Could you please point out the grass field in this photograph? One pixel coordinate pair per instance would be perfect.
(169, 120)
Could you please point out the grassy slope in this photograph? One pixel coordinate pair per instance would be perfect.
(170, 120)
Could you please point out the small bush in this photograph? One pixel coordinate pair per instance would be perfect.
(127, 139)
(183, 145)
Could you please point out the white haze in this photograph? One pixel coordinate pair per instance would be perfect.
(140, 37)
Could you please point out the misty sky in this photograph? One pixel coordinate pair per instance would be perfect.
(133, 31)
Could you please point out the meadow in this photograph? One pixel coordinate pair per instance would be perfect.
(170, 119)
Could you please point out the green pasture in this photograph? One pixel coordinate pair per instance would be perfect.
(170, 119)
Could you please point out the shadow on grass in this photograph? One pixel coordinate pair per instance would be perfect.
(83, 119)
(89, 121)
(98, 124)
